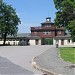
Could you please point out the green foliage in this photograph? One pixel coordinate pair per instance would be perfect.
(8, 20)
(68, 54)
(65, 14)
(48, 41)
(71, 26)
(65, 11)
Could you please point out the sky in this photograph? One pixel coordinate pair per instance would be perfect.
(32, 12)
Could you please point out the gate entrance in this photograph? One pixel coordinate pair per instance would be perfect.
(47, 41)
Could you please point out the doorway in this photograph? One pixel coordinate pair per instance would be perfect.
(62, 41)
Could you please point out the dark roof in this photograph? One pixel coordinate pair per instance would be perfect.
(33, 37)
(63, 37)
(19, 35)
(23, 35)
(48, 21)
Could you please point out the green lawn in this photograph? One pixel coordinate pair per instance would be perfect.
(68, 54)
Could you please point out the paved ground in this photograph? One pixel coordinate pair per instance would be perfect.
(17, 60)
(9, 68)
(49, 60)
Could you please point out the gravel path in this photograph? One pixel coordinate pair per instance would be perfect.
(50, 61)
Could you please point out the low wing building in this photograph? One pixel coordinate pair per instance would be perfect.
(21, 39)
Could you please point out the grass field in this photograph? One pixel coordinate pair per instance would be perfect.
(68, 54)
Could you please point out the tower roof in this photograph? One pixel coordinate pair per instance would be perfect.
(48, 21)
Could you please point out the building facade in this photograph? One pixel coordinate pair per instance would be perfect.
(47, 31)
(22, 39)
(46, 34)
(64, 41)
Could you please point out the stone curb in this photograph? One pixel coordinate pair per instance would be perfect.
(36, 66)
(46, 71)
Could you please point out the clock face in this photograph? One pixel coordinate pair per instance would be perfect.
(48, 19)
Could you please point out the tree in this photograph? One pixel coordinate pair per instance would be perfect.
(71, 26)
(65, 15)
(8, 20)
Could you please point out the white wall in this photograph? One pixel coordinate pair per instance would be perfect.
(54, 41)
(59, 42)
(1, 42)
(11, 42)
(39, 42)
(32, 42)
(66, 43)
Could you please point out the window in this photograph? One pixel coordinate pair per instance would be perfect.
(35, 32)
(44, 32)
(62, 41)
(59, 32)
(47, 32)
(13, 43)
(13, 39)
(47, 25)
(37, 41)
